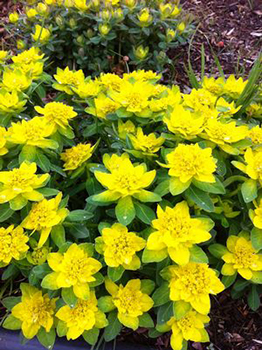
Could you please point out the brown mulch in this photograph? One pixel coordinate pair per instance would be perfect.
(232, 29)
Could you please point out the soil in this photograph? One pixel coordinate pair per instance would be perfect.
(233, 31)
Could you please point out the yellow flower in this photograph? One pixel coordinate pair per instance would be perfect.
(35, 311)
(30, 62)
(42, 9)
(57, 115)
(142, 75)
(41, 34)
(256, 215)
(215, 86)
(126, 180)
(134, 97)
(43, 216)
(148, 144)
(76, 156)
(193, 283)
(125, 128)
(165, 10)
(234, 87)
(253, 167)
(225, 108)
(38, 256)
(224, 134)
(188, 162)
(12, 244)
(254, 110)
(170, 98)
(170, 35)
(197, 99)
(176, 232)
(130, 301)
(181, 27)
(144, 17)
(3, 149)
(140, 52)
(11, 102)
(13, 17)
(119, 247)
(74, 268)
(34, 132)
(3, 56)
(88, 89)
(184, 122)
(84, 316)
(68, 79)
(113, 162)
(15, 79)
(19, 185)
(189, 327)
(111, 81)
(241, 257)
(104, 106)
(256, 135)
(104, 29)
(81, 5)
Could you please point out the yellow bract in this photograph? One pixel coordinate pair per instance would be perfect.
(3, 149)
(256, 135)
(130, 301)
(241, 257)
(35, 311)
(15, 80)
(76, 156)
(125, 129)
(193, 283)
(189, 162)
(125, 180)
(119, 247)
(12, 244)
(104, 106)
(84, 316)
(41, 34)
(177, 232)
(253, 167)
(68, 79)
(3, 56)
(21, 183)
(34, 132)
(234, 87)
(74, 268)
(43, 216)
(11, 102)
(30, 61)
(148, 144)
(190, 327)
(57, 115)
(256, 215)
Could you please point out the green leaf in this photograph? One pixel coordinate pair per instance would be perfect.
(12, 323)
(216, 188)
(91, 336)
(153, 255)
(79, 215)
(241, 285)
(146, 321)
(163, 188)
(228, 280)
(147, 286)
(46, 339)
(253, 298)
(153, 333)
(79, 231)
(58, 235)
(106, 304)
(28, 153)
(10, 302)
(164, 313)
(113, 328)
(217, 250)
(144, 213)
(197, 255)
(180, 309)
(115, 273)
(10, 271)
(177, 187)
(48, 192)
(5, 212)
(61, 328)
(256, 238)
(43, 162)
(161, 295)
(257, 277)
(249, 190)
(41, 271)
(125, 211)
(200, 198)
(69, 296)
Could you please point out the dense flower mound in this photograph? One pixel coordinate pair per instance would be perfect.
(101, 35)
(124, 202)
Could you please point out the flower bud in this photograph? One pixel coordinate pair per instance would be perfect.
(72, 23)
(80, 39)
(104, 29)
(89, 33)
(181, 27)
(170, 35)
(50, 2)
(42, 9)
(95, 5)
(140, 52)
(145, 18)
(13, 17)
(118, 14)
(175, 12)
(59, 21)
(106, 15)
(165, 10)
(131, 4)
(20, 44)
(31, 13)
